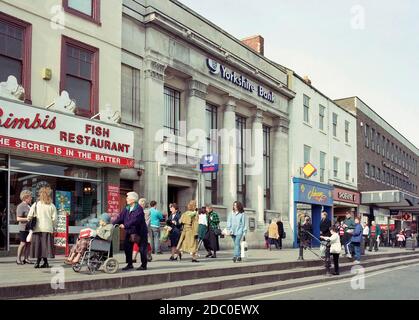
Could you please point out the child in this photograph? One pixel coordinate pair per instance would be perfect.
(103, 232)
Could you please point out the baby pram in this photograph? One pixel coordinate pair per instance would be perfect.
(97, 254)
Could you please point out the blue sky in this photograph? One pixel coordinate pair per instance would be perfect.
(375, 58)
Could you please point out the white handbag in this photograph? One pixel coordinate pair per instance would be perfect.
(243, 249)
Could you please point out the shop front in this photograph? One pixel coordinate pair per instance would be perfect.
(310, 199)
(344, 200)
(80, 159)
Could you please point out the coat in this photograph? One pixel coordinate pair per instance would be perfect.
(273, 231)
(176, 227)
(280, 229)
(46, 217)
(325, 227)
(357, 235)
(335, 246)
(133, 221)
(104, 232)
(188, 241)
(236, 223)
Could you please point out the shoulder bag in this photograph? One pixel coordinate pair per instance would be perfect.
(32, 223)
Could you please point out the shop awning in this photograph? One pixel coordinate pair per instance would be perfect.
(391, 199)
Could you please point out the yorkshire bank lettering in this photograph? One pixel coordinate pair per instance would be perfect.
(41, 131)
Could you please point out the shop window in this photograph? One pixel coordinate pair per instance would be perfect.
(86, 9)
(80, 75)
(267, 166)
(172, 110)
(15, 51)
(240, 150)
(130, 95)
(211, 179)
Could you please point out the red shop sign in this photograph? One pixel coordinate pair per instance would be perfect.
(344, 195)
(113, 201)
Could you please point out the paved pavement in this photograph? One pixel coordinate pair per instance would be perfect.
(12, 274)
(392, 284)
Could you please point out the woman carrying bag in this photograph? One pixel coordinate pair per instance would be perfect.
(42, 218)
(211, 237)
(188, 241)
(237, 228)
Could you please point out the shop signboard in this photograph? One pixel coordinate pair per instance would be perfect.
(306, 191)
(113, 201)
(37, 130)
(345, 195)
(63, 205)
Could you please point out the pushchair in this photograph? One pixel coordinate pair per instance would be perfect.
(97, 254)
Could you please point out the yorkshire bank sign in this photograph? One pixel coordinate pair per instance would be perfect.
(37, 130)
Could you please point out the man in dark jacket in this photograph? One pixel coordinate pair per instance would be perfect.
(280, 232)
(325, 225)
(132, 220)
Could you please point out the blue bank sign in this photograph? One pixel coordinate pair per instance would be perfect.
(209, 163)
(239, 80)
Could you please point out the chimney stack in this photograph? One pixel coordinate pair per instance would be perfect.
(307, 80)
(256, 43)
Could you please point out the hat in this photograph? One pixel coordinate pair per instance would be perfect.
(133, 195)
(105, 217)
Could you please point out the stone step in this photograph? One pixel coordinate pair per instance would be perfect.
(188, 285)
(249, 291)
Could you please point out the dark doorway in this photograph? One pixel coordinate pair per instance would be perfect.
(172, 195)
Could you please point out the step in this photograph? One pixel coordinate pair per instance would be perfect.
(250, 291)
(182, 287)
(123, 280)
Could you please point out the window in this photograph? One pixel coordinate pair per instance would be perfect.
(367, 169)
(321, 116)
(378, 142)
(211, 179)
(306, 109)
(172, 110)
(383, 176)
(267, 166)
(240, 149)
(378, 174)
(307, 151)
(15, 52)
(335, 167)
(372, 139)
(347, 170)
(366, 133)
(347, 131)
(392, 152)
(86, 9)
(130, 95)
(335, 124)
(388, 149)
(322, 166)
(383, 151)
(80, 75)
(372, 173)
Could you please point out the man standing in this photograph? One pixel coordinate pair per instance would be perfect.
(349, 225)
(356, 241)
(280, 231)
(374, 233)
(325, 225)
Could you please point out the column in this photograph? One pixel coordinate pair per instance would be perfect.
(255, 167)
(196, 124)
(154, 121)
(281, 179)
(228, 154)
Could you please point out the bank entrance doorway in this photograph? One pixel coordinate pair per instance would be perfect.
(180, 191)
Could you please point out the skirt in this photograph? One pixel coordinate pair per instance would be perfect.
(211, 241)
(42, 245)
(202, 230)
(174, 237)
(23, 235)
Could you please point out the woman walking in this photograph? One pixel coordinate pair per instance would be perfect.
(173, 222)
(211, 237)
(132, 220)
(44, 211)
(155, 218)
(22, 211)
(202, 225)
(188, 241)
(237, 227)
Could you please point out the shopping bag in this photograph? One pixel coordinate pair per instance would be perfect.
(87, 233)
(164, 236)
(243, 249)
(29, 237)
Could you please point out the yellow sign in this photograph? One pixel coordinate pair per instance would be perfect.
(309, 170)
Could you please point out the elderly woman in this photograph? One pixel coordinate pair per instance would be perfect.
(42, 246)
(144, 204)
(188, 241)
(132, 220)
(103, 232)
(22, 214)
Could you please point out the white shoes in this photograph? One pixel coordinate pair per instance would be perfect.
(357, 262)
